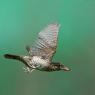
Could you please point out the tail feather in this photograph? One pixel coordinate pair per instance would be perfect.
(15, 57)
(10, 56)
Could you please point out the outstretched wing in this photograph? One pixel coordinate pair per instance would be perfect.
(46, 43)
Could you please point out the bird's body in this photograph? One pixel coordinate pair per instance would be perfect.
(38, 63)
(42, 51)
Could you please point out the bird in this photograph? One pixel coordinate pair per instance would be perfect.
(41, 53)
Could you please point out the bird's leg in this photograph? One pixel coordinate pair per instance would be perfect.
(33, 66)
(28, 70)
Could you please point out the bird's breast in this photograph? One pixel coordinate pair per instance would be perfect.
(39, 62)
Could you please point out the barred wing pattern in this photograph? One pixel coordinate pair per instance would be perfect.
(46, 43)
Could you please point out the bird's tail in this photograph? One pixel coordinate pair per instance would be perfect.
(11, 56)
(16, 57)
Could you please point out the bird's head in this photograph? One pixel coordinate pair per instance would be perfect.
(58, 66)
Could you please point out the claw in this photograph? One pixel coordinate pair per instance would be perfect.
(28, 70)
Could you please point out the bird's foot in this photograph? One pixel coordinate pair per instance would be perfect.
(28, 70)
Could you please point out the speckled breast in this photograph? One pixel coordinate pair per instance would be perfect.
(39, 63)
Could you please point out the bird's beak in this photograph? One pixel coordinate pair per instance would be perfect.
(66, 68)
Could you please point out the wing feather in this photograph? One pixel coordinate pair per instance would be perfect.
(46, 43)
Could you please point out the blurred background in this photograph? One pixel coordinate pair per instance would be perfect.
(21, 20)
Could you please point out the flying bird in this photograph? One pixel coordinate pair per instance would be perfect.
(40, 54)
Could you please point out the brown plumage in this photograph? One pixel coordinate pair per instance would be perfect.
(42, 51)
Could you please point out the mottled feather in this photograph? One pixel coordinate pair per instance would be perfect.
(46, 43)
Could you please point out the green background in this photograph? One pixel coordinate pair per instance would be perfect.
(21, 20)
